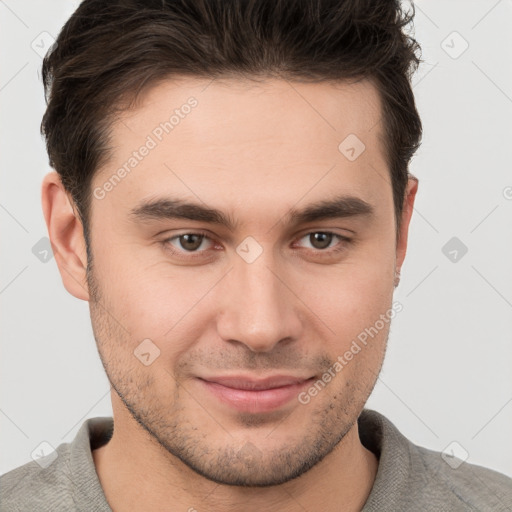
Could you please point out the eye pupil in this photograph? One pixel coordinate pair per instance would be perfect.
(324, 240)
(190, 244)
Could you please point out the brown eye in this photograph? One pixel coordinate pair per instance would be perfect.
(190, 241)
(190, 246)
(325, 242)
(320, 240)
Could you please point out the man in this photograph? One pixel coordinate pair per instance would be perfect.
(232, 197)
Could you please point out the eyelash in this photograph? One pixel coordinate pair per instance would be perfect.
(197, 254)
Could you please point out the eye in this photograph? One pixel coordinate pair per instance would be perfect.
(188, 242)
(321, 240)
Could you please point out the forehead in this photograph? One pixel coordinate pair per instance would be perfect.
(254, 143)
(234, 111)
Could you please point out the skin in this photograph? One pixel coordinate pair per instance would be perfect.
(254, 152)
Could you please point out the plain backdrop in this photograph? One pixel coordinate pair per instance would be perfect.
(447, 375)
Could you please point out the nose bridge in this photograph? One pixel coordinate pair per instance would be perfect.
(258, 310)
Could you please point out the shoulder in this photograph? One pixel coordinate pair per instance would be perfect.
(42, 485)
(413, 477)
(476, 487)
(64, 480)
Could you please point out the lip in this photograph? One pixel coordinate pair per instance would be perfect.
(253, 395)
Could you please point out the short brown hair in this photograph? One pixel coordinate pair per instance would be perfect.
(109, 52)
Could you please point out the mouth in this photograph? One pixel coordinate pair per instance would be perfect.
(249, 394)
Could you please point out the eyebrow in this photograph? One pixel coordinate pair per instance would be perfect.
(173, 208)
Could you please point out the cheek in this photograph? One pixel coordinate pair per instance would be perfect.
(155, 301)
(350, 299)
(352, 295)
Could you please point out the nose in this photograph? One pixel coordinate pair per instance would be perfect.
(257, 307)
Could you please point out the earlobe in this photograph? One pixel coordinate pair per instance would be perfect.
(65, 231)
(408, 207)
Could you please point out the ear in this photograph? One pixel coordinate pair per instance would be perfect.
(65, 231)
(410, 196)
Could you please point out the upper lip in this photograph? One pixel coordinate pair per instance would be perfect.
(254, 383)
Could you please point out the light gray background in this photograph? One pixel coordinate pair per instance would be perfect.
(447, 375)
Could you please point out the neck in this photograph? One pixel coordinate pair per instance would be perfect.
(136, 473)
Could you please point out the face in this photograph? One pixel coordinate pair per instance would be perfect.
(236, 261)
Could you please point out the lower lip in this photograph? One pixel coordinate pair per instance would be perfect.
(255, 401)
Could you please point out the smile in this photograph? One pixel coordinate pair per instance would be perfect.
(251, 395)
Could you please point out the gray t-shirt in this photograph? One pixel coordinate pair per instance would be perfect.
(409, 477)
